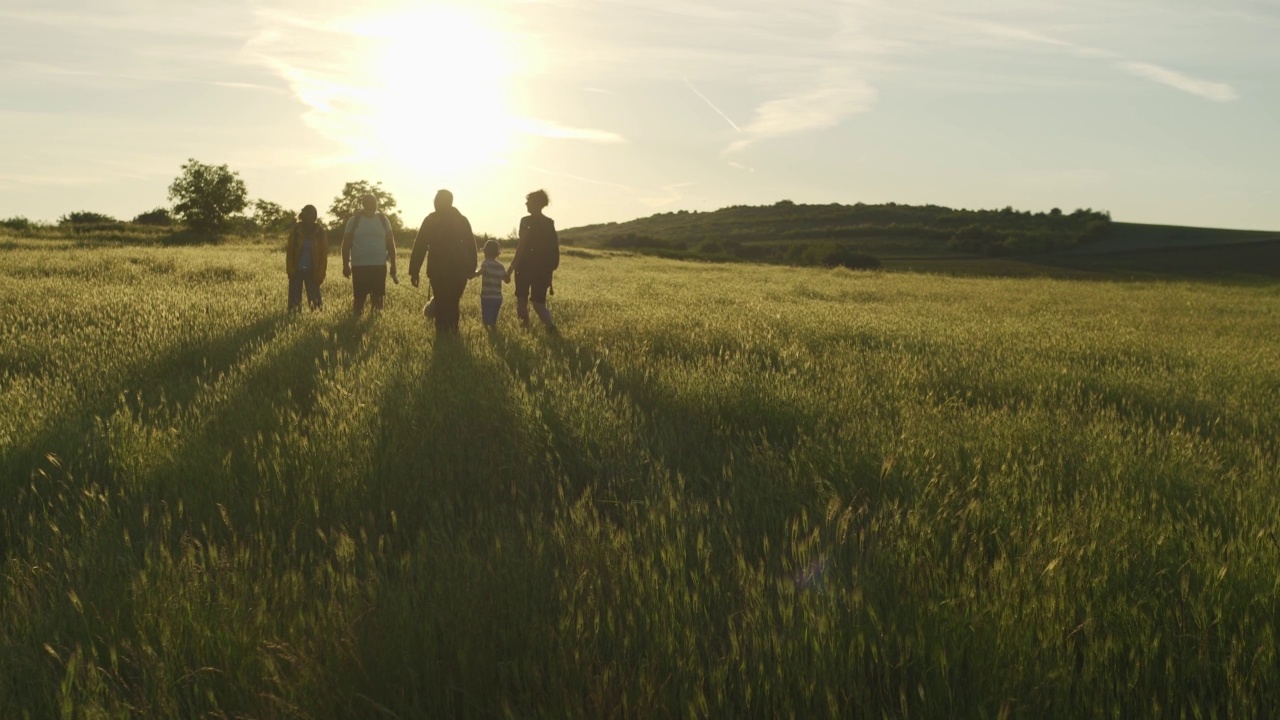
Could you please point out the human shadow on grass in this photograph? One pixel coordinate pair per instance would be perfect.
(743, 452)
(198, 490)
(164, 379)
(465, 472)
(212, 434)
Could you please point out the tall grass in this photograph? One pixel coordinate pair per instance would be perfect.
(722, 491)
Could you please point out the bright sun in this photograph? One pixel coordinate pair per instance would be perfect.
(440, 91)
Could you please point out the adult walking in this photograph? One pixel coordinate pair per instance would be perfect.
(368, 245)
(306, 259)
(447, 244)
(537, 257)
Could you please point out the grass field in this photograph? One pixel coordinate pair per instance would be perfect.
(723, 491)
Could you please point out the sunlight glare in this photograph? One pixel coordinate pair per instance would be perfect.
(440, 89)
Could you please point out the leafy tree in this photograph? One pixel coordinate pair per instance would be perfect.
(348, 203)
(85, 217)
(207, 196)
(271, 217)
(159, 216)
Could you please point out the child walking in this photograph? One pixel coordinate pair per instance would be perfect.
(491, 286)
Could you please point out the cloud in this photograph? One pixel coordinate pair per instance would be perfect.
(839, 95)
(557, 131)
(670, 195)
(1218, 92)
(1209, 90)
(712, 105)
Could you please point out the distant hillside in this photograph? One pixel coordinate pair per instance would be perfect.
(889, 230)
(919, 237)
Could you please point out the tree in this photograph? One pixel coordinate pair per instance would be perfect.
(348, 203)
(207, 196)
(271, 217)
(159, 216)
(84, 217)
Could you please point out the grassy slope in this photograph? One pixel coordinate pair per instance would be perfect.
(727, 490)
(1131, 250)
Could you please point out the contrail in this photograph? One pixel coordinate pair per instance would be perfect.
(712, 105)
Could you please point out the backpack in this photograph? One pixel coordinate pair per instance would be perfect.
(545, 243)
(386, 225)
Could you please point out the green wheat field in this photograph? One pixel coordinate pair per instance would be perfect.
(730, 491)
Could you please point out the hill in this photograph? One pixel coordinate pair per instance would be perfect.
(935, 238)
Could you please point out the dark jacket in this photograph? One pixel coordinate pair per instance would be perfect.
(538, 251)
(446, 243)
(319, 251)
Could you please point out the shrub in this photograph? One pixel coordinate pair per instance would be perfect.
(17, 223)
(711, 247)
(86, 218)
(634, 240)
(159, 217)
(978, 239)
(849, 258)
(1027, 243)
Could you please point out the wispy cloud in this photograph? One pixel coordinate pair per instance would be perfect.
(1009, 33)
(97, 76)
(557, 131)
(825, 104)
(670, 195)
(1218, 92)
(712, 105)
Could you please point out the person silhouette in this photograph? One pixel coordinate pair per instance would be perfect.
(368, 245)
(306, 259)
(446, 243)
(537, 257)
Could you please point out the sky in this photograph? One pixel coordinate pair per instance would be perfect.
(1156, 111)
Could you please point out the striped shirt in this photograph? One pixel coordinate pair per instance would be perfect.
(492, 272)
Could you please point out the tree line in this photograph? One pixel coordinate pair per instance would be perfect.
(213, 200)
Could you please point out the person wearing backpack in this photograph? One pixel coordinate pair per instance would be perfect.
(368, 245)
(537, 257)
(446, 243)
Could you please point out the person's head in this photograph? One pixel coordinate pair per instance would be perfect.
(491, 250)
(369, 202)
(536, 201)
(444, 200)
(308, 215)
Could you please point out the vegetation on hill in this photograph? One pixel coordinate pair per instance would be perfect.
(824, 234)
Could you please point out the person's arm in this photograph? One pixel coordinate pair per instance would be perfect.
(474, 260)
(421, 243)
(554, 244)
(522, 249)
(391, 245)
(322, 256)
(346, 250)
(289, 258)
